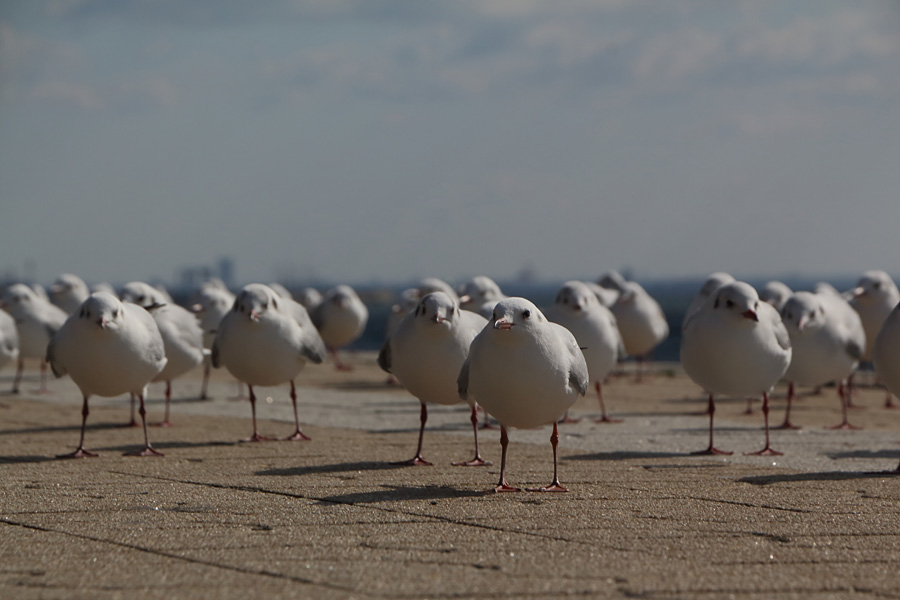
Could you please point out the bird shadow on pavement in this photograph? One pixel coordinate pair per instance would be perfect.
(332, 468)
(624, 455)
(13, 460)
(821, 476)
(61, 428)
(886, 454)
(402, 494)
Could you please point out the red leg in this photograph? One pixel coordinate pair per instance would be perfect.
(554, 485)
(787, 412)
(711, 449)
(749, 409)
(148, 449)
(341, 366)
(604, 418)
(255, 437)
(297, 435)
(889, 401)
(477, 461)
(767, 451)
(504, 442)
(844, 395)
(165, 421)
(43, 389)
(133, 422)
(80, 452)
(417, 460)
(20, 367)
(204, 386)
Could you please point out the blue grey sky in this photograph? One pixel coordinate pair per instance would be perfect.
(385, 140)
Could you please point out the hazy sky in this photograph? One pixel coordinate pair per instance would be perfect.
(367, 140)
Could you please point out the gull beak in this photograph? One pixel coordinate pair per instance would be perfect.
(751, 315)
(802, 324)
(254, 316)
(438, 318)
(102, 322)
(502, 324)
(857, 292)
(197, 308)
(465, 299)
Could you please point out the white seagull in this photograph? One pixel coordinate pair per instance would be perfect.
(211, 306)
(577, 309)
(36, 322)
(526, 372)
(480, 294)
(9, 339)
(736, 345)
(886, 356)
(341, 318)
(874, 297)
(262, 344)
(426, 353)
(181, 333)
(641, 322)
(108, 348)
(68, 292)
(709, 287)
(827, 341)
(775, 293)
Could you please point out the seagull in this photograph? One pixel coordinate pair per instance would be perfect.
(340, 318)
(309, 297)
(108, 348)
(480, 294)
(9, 339)
(426, 353)
(737, 346)
(827, 341)
(181, 333)
(36, 322)
(577, 309)
(526, 372)
(641, 322)
(435, 284)
(606, 296)
(709, 287)
(211, 306)
(886, 356)
(874, 297)
(68, 292)
(261, 343)
(775, 293)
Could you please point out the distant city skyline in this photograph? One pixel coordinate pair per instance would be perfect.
(386, 140)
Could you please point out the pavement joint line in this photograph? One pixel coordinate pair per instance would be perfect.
(751, 505)
(189, 559)
(255, 489)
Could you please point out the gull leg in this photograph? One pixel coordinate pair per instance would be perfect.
(80, 452)
(844, 395)
(604, 418)
(477, 461)
(417, 460)
(787, 412)
(554, 485)
(255, 437)
(297, 435)
(711, 449)
(148, 449)
(767, 451)
(504, 442)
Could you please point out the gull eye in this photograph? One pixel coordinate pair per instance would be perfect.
(115, 314)
(877, 285)
(729, 304)
(526, 313)
(83, 313)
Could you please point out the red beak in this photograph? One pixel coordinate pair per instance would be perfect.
(501, 324)
(751, 315)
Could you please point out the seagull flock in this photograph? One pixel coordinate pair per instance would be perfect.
(522, 366)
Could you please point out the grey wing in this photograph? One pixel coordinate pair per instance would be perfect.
(781, 334)
(311, 351)
(462, 381)
(155, 342)
(384, 356)
(578, 371)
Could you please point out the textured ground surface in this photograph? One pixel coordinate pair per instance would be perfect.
(332, 518)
